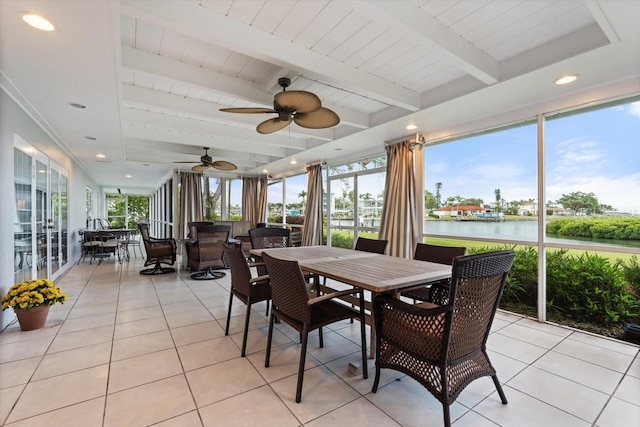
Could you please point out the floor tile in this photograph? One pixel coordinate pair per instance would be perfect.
(531, 335)
(205, 353)
(322, 392)
(141, 344)
(82, 338)
(576, 399)
(284, 362)
(594, 354)
(214, 383)
(198, 332)
(58, 392)
(139, 314)
(90, 322)
(619, 413)
(84, 414)
(257, 407)
(526, 411)
(73, 360)
(594, 376)
(516, 349)
(24, 349)
(629, 390)
(8, 397)
(190, 419)
(17, 372)
(140, 327)
(149, 403)
(143, 369)
(360, 412)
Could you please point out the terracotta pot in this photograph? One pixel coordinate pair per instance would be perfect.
(34, 318)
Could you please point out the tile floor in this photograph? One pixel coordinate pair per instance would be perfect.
(132, 350)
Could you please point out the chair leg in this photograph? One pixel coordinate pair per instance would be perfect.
(226, 329)
(376, 381)
(246, 328)
(447, 415)
(303, 356)
(267, 355)
(363, 338)
(503, 398)
(320, 337)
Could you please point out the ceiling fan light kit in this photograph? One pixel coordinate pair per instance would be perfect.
(302, 107)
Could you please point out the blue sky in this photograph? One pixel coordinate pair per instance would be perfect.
(596, 152)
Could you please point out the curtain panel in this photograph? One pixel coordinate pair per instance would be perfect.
(399, 222)
(254, 200)
(190, 200)
(312, 231)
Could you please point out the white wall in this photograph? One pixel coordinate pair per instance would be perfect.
(14, 121)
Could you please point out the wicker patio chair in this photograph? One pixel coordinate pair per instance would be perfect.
(247, 289)
(158, 251)
(371, 245)
(206, 253)
(291, 304)
(443, 347)
(440, 255)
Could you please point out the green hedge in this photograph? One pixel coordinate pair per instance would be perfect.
(618, 228)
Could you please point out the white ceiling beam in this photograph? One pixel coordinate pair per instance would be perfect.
(410, 19)
(602, 20)
(207, 25)
(155, 65)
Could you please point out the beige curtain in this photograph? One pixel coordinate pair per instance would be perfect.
(190, 200)
(254, 200)
(312, 232)
(399, 222)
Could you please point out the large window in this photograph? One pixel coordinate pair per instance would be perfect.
(275, 206)
(355, 199)
(127, 210)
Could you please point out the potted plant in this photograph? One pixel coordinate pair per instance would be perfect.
(31, 300)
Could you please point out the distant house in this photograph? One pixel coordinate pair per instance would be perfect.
(528, 209)
(459, 211)
(560, 211)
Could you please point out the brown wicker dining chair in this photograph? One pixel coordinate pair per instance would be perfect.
(206, 253)
(249, 290)
(443, 346)
(440, 255)
(371, 245)
(291, 304)
(158, 251)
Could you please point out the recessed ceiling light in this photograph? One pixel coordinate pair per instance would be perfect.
(37, 21)
(411, 127)
(100, 156)
(91, 138)
(77, 105)
(265, 171)
(128, 176)
(570, 78)
(293, 162)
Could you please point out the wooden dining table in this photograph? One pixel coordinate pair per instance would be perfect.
(375, 273)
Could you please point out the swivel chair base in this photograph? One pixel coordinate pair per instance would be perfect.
(208, 274)
(157, 269)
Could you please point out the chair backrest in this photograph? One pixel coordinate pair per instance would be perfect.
(270, 237)
(477, 283)
(240, 273)
(371, 245)
(144, 232)
(288, 289)
(193, 228)
(438, 254)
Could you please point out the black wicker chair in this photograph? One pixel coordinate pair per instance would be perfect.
(206, 253)
(371, 245)
(292, 305)
(158, 251)
(247, 289)
(433, 253)
(443, 345)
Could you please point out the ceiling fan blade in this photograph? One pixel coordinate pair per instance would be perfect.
(298, 100)
(272, 125)
(320, 119)
(223, 165)
(200, 168)
(248, 110)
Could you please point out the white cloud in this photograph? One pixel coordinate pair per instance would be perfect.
(634, 109)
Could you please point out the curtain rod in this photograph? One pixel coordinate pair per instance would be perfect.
(415, 139)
